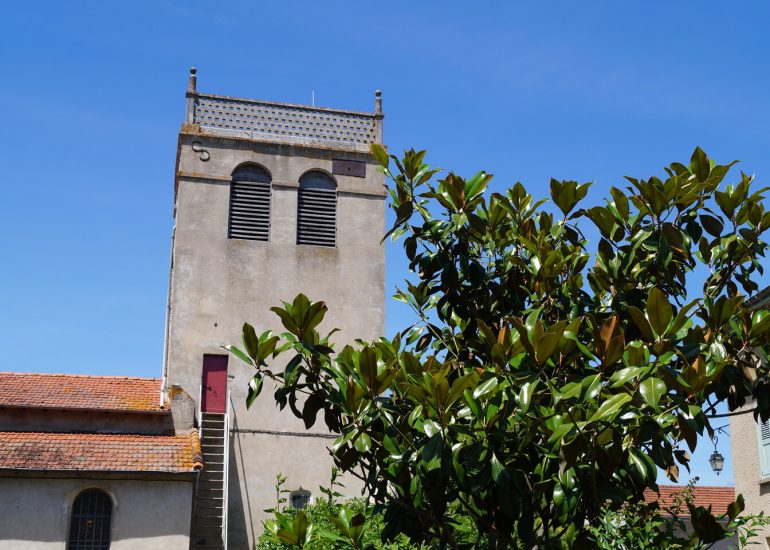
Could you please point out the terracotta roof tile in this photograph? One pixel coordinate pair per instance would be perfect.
(99, 452)
(69, 391)
(716, 497)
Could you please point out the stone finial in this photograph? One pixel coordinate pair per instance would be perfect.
(191, 96)
(191, 87)
(378, 101)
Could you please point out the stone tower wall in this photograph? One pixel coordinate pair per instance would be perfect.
(217, 283)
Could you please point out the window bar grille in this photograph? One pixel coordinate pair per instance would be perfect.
(90, 522)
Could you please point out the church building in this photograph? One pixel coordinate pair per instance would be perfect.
(270, 200)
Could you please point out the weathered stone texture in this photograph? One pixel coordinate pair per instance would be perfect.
(218, 283)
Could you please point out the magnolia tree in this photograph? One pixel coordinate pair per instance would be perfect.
(546, 379)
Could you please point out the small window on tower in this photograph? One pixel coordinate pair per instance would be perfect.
(317, 210)
(299, 499)
(250, 192)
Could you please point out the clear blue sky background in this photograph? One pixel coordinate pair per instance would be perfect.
(92, 96)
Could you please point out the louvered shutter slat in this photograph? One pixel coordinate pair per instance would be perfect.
(310, 215)
(317, 217)
(249, 214)
(249, 210)
(257, 193)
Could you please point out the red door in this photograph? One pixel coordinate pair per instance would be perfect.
(214, 384)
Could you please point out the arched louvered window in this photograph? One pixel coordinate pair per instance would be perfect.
(90, 521)
(317, 210)
(250, 204)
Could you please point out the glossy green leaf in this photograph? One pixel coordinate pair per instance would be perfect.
(700, 165)
(610, 407)
(713, 225)
(458, 388)
(641, 323)
(250, 340)
(624, 375)
(642, 466)
(238, 353)
(485, 387)
(621, 202)
(545, 346)
(255, 387)
(659, 311)
(431, 428)
(363, 443)
(291, 372)
(380, 154)
(736, 507)
(497, 467)
(652, 389)
(525, 395)
(592, 385)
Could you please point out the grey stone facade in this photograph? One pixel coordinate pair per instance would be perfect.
(217, 282)
(147, 513)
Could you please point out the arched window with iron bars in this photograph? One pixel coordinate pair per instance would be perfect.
(90, 521)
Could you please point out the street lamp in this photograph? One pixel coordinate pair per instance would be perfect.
(717, 461)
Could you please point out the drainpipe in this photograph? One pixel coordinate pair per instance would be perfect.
(164, 385)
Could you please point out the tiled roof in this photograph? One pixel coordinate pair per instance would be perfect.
(69, 391)
(716, 497)
(99, 452)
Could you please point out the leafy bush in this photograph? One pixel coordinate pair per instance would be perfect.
(545, 380)
(326, 524)
(641, 526)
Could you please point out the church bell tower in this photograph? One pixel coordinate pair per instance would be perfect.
(270, 200)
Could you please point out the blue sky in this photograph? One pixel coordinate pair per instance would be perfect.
(92, 96)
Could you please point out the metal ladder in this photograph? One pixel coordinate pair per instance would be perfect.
(210, 524)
